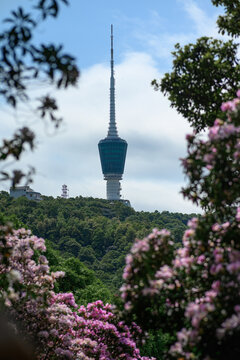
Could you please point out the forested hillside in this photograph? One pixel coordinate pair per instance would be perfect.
(97, 232)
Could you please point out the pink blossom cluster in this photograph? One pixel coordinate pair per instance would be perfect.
(212, 164)
(222, 130)
(231, 105)
(142, 262)
(58, 327)
(193, 290)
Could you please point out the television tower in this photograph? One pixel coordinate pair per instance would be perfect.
(112, 149)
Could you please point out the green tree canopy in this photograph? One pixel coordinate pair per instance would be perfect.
(96, 232)
(204, 75)
(230, 22)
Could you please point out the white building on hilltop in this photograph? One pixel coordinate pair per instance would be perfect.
(26, 191)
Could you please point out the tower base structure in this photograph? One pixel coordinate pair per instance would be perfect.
(113, 189)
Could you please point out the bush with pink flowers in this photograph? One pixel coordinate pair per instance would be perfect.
(193, 292)
(54, 323)
(212, 165)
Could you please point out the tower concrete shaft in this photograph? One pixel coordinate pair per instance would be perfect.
(113, 189)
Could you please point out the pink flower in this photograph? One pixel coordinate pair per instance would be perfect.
(213, 132)
(216, 285)
(43, 334)
(188, 233)
(193, 223)
(218, 122)
(216, 227)
(238, 214)
(201, 259)
(226, 225)
(215, 269)
(165, 272)
(233, 267)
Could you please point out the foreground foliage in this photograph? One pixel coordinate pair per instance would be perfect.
(193, 292)
(58, 327)
(197, 91)
(229, 22)
(24, 63)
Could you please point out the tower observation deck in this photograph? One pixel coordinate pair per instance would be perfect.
(112, 149)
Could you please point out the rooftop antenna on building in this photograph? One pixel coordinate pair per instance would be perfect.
(65, 192)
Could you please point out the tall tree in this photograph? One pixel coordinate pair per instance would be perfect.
(21, 63)
(205, 74)
(230, 21)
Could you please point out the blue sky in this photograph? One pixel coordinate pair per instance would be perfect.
(83, 27)
(144, 36)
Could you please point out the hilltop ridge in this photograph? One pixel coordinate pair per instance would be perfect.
(96, 231)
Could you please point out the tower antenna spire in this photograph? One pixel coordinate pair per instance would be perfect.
(112, 129)
(112, 63)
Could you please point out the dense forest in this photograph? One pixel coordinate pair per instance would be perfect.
(93, 232)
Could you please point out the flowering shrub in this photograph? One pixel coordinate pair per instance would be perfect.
(212, 166)
(53, 321)
(193, 292)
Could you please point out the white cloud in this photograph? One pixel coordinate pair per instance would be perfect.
(152, 33)
(155, 135)
(204, 24)
(161, 45)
